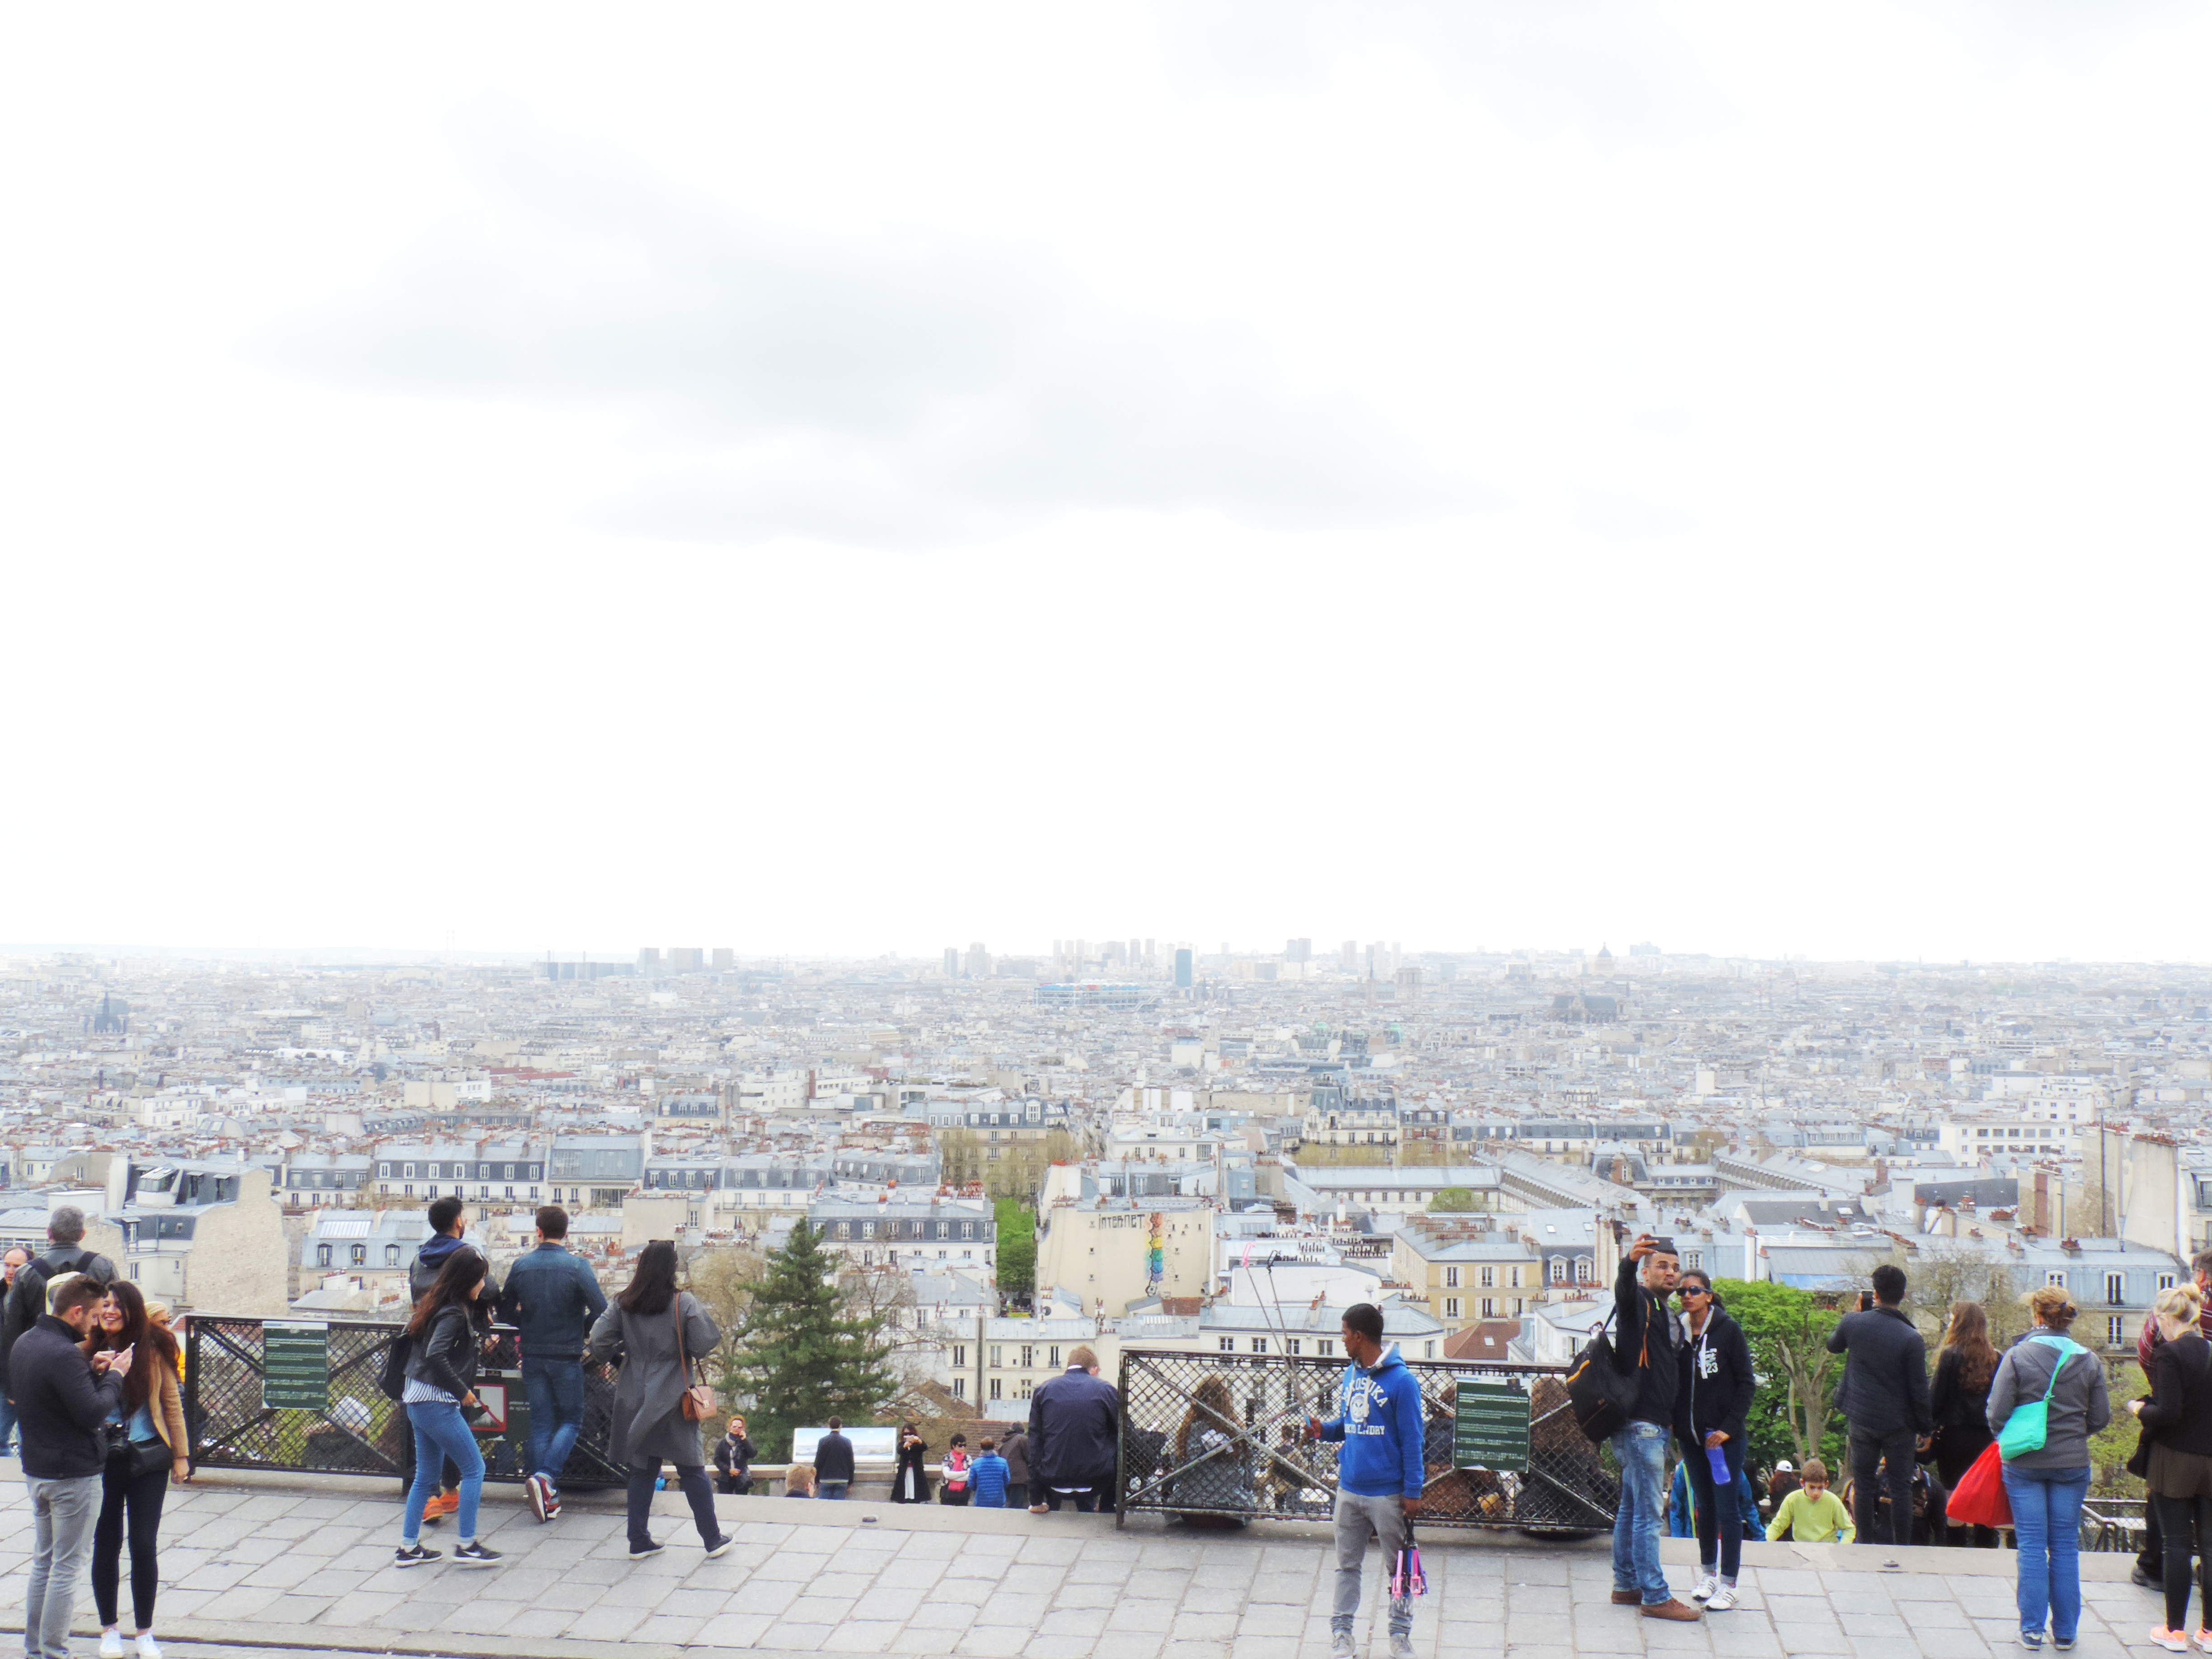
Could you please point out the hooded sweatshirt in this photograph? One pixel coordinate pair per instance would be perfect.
(429, 1260)
(1378, 1419)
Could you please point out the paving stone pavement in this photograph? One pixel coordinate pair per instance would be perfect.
(308, 1568)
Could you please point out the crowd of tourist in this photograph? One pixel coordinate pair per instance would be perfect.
(93, 1376)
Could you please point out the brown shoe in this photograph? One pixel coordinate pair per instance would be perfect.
(1669, 1609)
(1626, 1598)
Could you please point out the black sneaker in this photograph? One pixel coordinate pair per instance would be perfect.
(414, 1555)
(650, 1548)
(474, 1554)
(719, 1548)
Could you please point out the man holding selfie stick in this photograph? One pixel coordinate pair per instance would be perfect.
(1644, 1341)
(61, 1399)
(1884, 1400)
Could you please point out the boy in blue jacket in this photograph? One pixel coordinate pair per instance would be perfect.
(1378, 1473)
(990, 1478)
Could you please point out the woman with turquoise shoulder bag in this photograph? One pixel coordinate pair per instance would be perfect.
(2047, 1398)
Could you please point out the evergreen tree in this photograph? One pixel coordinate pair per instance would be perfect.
(802, 1358)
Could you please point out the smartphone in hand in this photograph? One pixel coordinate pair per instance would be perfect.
(1866, 1301)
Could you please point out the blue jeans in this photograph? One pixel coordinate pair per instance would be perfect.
(691, 1479)
(1641, 1521)
(7, 1425)
(555, 1388)
(441, 1432)
(831, 1488)
(2046, 1518)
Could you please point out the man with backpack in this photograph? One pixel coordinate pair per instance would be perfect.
(26, 1292)
(1644, 1346)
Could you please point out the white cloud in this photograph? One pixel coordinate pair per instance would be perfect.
(1727, 476)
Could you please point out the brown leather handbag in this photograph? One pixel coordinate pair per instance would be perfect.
(699, 1402)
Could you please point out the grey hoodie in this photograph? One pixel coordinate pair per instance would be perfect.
(2080, 1405)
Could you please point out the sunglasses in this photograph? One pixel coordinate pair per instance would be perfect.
(1694, 1290)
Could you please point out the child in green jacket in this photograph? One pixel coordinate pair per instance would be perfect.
(1812, 1514)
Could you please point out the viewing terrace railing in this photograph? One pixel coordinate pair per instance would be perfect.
(1222, 1435)
(303, 1394)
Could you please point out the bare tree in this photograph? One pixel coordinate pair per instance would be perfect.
(723, 1277)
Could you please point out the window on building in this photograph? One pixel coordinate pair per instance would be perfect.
(322, 1255)
(360, 1255)
(1585, 1270)
(995, 1352)
(1226, 1344)
(1452, 1278)
(1428, 1351)
(997, 1385)
(1259, 1344)
(407, 1171)
(2115, 1289)
(2056, 1278)
(1325, 1346)
(391, 1255)
(1489, 1306)
(1451, 1307)
(1489, 1277)
(2115, 1335)
(967, 1230)
(1293, 1346)
(844, 1230)
(1513, 1276)
(959, 1388)
(2165, 1281)
(1029, 1356)
(1558, 1270)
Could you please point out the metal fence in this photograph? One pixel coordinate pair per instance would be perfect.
(303, 1394)
(1223, 1434)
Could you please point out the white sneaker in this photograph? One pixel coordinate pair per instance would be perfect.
(146, 1648)
(1402, 1645)
(1721, 1599)
(111, 1644)
(1339, 1645)
(1707, 1586)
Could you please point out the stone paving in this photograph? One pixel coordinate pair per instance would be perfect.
(305, 1567)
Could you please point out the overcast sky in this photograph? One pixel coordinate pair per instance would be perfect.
(837, 479)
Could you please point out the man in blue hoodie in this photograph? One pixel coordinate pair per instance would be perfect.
(551, 1299)
(1378, 1473)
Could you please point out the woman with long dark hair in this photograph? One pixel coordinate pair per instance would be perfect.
(910, 1482)
(1712, 1401)
(660, 1332)
(1959, 1402)
(446, 1333)
(138, 1475)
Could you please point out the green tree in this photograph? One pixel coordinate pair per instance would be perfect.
(1788, 1331)
(1016, 1248)
(803, 1358)
(1452, 1200)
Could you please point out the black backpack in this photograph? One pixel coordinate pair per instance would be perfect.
(392, 1379)
(1600, 1394)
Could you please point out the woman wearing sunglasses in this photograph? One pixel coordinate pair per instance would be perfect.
(1712, 1399)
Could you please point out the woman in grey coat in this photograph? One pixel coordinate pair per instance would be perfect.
(649, 1425)
(2046, 1486)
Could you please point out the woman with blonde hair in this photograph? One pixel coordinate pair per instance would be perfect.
(1958, 1400)
(2046, 1482)
(2177, 1421)
(1216, 1472)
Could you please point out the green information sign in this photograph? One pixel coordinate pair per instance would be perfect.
(1491, 1430)
(296, 1368)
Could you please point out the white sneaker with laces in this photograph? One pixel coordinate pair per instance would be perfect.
(1402, 1645)
(1721, 1599)
(1339, 1645)
(1707, 1586)
(111, 1644)
(146, 1648)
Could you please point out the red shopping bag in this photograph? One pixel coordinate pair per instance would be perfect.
(1979, 1499)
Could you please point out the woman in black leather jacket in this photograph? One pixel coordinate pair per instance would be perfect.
(447, 1332)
